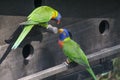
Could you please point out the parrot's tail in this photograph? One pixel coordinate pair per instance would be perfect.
(23, 34)
(92, 73)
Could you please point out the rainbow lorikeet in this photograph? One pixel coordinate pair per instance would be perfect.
(39, 16)
(73, 51)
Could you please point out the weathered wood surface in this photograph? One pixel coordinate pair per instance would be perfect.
(112, 51)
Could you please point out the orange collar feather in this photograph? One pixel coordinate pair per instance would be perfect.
(60, 43)
(54, 15)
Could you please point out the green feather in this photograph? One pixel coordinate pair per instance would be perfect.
(40, 16)
(91, 72)
(73, 51)
(24, 33)
(29, 23)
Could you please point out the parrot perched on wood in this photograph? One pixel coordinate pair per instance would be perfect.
(39, 16)
(73, 51)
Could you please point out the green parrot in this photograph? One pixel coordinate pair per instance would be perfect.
(39, 16)
(73, 51)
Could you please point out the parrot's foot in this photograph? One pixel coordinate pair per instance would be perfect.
(68, 61)
(53, 29)
(71, 64)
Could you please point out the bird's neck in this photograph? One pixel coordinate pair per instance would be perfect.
(61, 43)
(67, 39)
(54, 15)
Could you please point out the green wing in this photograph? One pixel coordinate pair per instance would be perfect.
(23, 34)
(29, 22)
(41, 14)
(73, 51)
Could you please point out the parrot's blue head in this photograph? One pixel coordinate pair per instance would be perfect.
(58, 18)
(64, 33)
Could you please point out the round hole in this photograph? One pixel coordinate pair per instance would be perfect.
(27, 51)
(37, 3)
(103, 27)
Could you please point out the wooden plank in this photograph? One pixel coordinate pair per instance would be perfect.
(63, 67)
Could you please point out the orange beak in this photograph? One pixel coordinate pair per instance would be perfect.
(58, 22)
(60, 30)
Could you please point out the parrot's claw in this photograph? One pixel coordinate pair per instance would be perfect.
(53, 29)
(67, 61)
(71, 64)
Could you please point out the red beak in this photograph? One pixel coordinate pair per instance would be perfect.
(58, 22)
